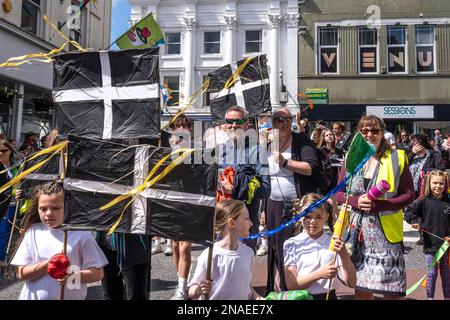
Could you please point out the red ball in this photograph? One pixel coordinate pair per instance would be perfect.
(58, 265)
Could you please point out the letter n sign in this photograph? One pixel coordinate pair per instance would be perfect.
(328, 60)
(396, 59)
(425, 58)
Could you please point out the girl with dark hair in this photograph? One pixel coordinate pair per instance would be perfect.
(378, 252)
(43, 238)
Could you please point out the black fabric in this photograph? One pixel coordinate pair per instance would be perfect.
(76, 71)
(257, 100)
(132, 117)
(94, 160)
(80, 118)
(242, 177)
(48, 172)
(434, 216)
(303, 149)
(134, 67)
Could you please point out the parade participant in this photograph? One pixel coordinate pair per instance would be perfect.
(43, 238)
(422, 159)
(248, 161)
(432, 211)
(292, 167)
(308, 262)
(403, 142)
(335, 155)
(232, 261)
(7, 201)
(379, 259)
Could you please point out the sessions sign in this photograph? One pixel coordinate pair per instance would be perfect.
(401, 112)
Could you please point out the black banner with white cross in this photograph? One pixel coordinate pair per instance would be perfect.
(50, 171)
(180, 206)
(251, 90)
(108, 94)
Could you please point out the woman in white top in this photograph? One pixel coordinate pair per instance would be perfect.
(292, 162)
(308, 262)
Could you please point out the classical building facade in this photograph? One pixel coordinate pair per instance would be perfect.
(202, 36)
(28, 105)
(388, 58)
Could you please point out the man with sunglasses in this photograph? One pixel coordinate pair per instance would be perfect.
(248, 160)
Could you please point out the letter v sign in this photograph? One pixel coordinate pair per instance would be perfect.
(329, 58)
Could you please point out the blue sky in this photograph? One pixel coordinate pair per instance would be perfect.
(120, 15)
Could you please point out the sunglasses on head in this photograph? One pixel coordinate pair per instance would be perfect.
(237, 121)
(282, 119)
(373, 131)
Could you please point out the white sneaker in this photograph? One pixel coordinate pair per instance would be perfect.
(156, 249)
(180, 294)
(168, 251)
(262, 251)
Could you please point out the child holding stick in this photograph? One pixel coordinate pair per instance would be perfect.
(232, 260)
(307, 261)
(43, 238)
(432, 212)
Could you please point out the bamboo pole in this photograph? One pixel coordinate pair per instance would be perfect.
(61, 293)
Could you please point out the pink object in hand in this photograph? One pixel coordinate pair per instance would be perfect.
(378, 190)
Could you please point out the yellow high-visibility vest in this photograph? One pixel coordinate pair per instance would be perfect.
(391, 168)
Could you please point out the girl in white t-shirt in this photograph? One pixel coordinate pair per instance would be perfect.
(232, 261)
(43, 238)
(308, 262)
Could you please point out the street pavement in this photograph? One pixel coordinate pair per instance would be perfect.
(164, 279)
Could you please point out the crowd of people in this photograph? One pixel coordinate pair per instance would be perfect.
(288, 170)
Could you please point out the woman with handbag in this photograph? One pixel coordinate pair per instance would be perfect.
(380, 264)
(292, 162)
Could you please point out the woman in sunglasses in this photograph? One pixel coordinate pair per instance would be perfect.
(378, 251)
(292, 162)
(7, 203)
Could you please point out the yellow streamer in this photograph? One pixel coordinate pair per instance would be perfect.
(55, 149)
(147, 183)
(232, 80)
(74, 43)
(191, 101)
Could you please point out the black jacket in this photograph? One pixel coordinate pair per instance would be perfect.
(433, 162)
(434, 216)
(303, 149)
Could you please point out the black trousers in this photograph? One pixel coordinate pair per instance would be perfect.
(275, 216)
(130, 283)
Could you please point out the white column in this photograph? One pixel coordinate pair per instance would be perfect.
(273, 21)
(291, 71)
(230, 23)
(189, 54)
(16, 129)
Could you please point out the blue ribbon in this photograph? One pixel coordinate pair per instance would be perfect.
(311, 208)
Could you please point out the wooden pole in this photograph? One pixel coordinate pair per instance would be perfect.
(210, 254)
(340, 233)
(61, 293)
(12, 228)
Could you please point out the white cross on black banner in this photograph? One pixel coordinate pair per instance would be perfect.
(251, 90)
(180, 206)
(108, 94)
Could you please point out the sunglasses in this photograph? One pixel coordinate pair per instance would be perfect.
(282, 119)
(237, 121)
(373, 131)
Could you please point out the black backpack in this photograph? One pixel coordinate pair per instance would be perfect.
(324, 176)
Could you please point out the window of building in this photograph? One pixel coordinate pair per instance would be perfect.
(253, 41)
(368, 50)
(425, 49)
(328, 50)
(173, 43)
(77, 25)
(396, 49)
(212, 42)
(205, 98)
(173, 82)
(31, 16)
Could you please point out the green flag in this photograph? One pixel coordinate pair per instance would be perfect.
(359, 149)
(144, 34)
